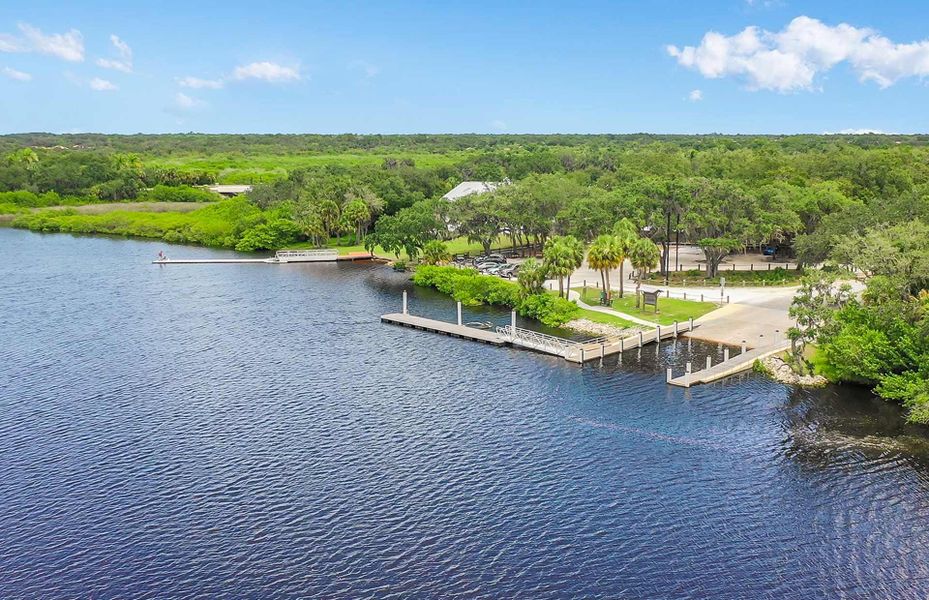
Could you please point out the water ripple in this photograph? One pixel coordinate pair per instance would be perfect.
(235, 431)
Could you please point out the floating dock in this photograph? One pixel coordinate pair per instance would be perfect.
(579, 352)
(738, 363)
(451, 329)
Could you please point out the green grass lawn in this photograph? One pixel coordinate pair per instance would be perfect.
(599, 317)
(670, 309)
(265, 167)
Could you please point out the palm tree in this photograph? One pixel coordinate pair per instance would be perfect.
(531, 276)
(435, 252)
(558, 260)
(605, 254)
(576, 252)
(626, 235)
(644, 256)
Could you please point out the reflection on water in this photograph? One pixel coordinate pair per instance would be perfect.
(254, 431)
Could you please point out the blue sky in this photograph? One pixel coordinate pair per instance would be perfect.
(516, 67)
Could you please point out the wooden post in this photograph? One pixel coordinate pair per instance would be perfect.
(709, 362)
(725, 354)
(459, 314)
(685, 295)
(513, 321)
(602, 349)
(675, 329)
(668, 378)
(667, 293)
(404, 303)
(691, 324)
(743, 346)
(640, 339)
(701, 297)
(688, 369)
(658, 338)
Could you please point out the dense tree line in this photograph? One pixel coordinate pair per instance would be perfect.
(857, 202)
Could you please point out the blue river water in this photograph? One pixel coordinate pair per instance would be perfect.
(254, 431)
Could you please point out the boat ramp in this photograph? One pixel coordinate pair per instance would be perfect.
(579, 352)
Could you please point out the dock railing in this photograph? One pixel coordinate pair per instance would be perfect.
(539, 341)
(288, 254)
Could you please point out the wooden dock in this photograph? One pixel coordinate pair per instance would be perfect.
(451, 329)
(736, 364)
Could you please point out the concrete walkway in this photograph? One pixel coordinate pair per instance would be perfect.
(736, 324)
(576, 296)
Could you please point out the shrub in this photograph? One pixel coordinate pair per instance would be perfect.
(549, 309)
(181, 193)
(471, 288)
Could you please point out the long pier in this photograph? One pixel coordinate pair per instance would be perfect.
(450, 329)
(738, 363)
(280, 258)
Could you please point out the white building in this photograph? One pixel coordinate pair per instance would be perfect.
(468, 188)
(229, 190)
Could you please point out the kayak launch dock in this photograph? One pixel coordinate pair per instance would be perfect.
(579, 352)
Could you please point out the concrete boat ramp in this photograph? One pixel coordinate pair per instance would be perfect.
(579, 352)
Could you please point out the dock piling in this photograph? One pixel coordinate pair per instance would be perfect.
(459, 314)
(405, 311)
(675, 329)
(709, 362)
(726, 355)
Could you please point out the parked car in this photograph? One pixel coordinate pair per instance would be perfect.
(497, 258)
(507, 270)
(482, 266)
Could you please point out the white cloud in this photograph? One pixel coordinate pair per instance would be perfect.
(185, 102)
(197, 83)
(790, 60)
(9, 43)
(695, 96)
(366, 68)
(857, 132)
(17, 75)
(68, 46)
(102, 85)
(124, 62)
(266, 71)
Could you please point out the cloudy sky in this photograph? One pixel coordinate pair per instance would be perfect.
(730, 66)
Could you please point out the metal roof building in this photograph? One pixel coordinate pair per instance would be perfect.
(467, 188)
(229, 190)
